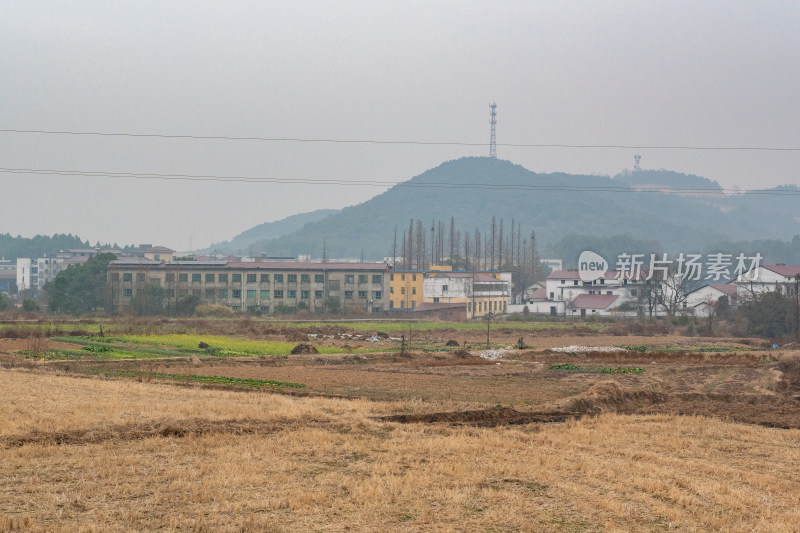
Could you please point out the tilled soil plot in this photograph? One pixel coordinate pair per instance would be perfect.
(10, 347)
(160, 428)
(609, 396)
(743, 385)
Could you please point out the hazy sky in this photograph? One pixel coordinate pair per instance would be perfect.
(697, 73)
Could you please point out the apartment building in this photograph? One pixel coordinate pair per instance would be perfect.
(482, 293)
(33, 274)
(262, 286)
(405, 286)
(410, 288)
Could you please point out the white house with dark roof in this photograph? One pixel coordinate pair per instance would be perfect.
(767, 278)
(566, 285)
(565, 293)
(701, 301)
(586, 305)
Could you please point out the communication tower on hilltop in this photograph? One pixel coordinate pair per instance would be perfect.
(492, 139)
(636, 160)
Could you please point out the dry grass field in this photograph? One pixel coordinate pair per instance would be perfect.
(96, 455)
(705, 437)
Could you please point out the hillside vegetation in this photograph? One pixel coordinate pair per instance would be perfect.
(556, 206)
(38, 246)
(268, 230)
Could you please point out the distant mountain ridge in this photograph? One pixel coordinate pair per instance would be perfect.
(268, 230)
(555, 206)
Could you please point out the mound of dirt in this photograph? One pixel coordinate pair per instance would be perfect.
(297, 336)
(157, 428)
(765, 410)
(496, 416)
(466, 360)
(303, 348)
(610, 396)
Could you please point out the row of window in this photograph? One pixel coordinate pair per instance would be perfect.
(349, 279)
(575, 282)
(403, 290)
(251, 294)
(403, 277)
(491, 306)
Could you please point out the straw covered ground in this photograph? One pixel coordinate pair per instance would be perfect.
(91, 454)
(201, 425)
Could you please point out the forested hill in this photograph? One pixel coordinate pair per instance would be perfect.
(268, 230)
(474, 189)
(38, 246)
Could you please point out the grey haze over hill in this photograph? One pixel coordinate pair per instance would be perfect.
(554, 205)
(578, 85)
(268, 230)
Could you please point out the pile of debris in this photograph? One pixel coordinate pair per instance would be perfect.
(586, 349)
(302, 349)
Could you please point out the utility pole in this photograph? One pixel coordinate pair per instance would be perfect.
(797, 307)
(488, 323)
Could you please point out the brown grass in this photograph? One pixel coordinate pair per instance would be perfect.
(37, 344)
(147, 456)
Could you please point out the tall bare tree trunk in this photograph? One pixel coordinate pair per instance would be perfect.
(500, 248)
(394, 250)
(493, 242)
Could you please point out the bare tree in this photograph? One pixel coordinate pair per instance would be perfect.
(440, 251)
(477, 262)
(452, 238)
(459, 259)
(512, 243)
(421, 252)
(394, 250)
(647, 296)
(675, 291)
(466, 251)
(500, 248)
(410, 254)
(493, 230)
(405, 252)
(487, 252)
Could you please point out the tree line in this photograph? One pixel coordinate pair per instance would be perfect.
(501, 246)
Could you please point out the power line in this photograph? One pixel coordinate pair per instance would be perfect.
(401, 142)
(417, 184)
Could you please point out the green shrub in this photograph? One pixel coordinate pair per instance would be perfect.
(564, 366)
(97, 349)
(635, 348)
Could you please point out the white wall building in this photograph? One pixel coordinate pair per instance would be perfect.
(482, 293)
(25, 272)
(564, 293)
(35, 273)
(702, 301)
(767, 278)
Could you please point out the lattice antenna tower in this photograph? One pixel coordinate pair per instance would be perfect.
(493, 139)
(636, 160)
